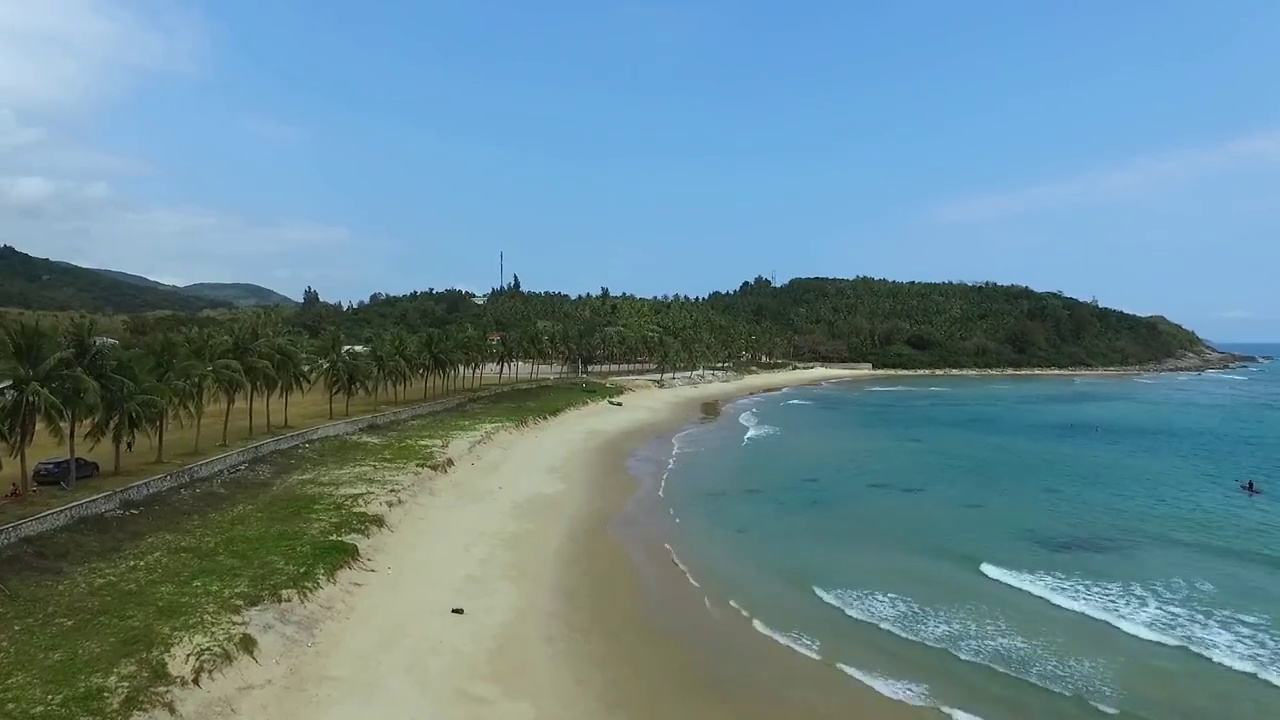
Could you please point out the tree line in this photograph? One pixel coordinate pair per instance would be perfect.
(82, 387)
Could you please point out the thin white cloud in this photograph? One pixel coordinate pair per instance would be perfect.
(1236, 314)
(61, 62)
(1139, 175)
(60, 54)
(14, 134)
(89, 224)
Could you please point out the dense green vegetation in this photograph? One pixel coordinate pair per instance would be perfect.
(81, 388)
(33, 283)
(890, 324)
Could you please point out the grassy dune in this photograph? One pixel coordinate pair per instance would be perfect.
(104, 618)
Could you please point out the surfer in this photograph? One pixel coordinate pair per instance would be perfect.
(1249, 486)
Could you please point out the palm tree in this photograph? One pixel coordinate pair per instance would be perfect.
(229, 386)
(168, 368)
(472, 349)
(31, 362)
(504, 354)
(84, 361)
(332, 356)
(353, 375)
(125, 407)
(291, 367)
(401, 347)
(386, 366)
(209, 374)
(247, 347)
(432, 359)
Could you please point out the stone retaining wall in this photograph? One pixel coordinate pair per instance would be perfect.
(838, 366)
(204, 469)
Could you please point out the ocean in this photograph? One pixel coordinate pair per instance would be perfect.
(1001, 547)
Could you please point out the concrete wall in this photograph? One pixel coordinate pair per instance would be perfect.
(838, 366)
(205, 469)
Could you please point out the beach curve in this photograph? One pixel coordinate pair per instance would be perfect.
(552, 625)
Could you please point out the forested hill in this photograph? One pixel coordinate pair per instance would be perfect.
(888, 323)
(33, 283)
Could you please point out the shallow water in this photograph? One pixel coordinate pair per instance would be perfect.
(999, 547)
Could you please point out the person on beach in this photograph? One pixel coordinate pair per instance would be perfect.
(128, 445)
(14, 492)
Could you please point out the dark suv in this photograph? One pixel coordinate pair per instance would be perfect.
(58, 470)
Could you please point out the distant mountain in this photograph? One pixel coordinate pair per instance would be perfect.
(237, 294)
(33, 283)
(128, 277)
(241, 294)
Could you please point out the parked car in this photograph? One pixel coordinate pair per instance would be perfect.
(58, 470)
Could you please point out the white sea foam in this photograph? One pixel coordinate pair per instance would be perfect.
(679, 444)
(798, 402)
(799, 642)
(900, 690)
(906, 388)
(755, 429)
(1165, 614)
(676, 559)
(974, 635)
(955, 714)
(1105, 708)
(903, 691)
(741, 610)
(1225, 376)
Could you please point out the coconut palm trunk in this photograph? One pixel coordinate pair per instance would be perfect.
(25, 480)
(71, 451)
(226, 419)
(160, 427)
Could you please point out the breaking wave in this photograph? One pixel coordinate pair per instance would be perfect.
(1164, 614)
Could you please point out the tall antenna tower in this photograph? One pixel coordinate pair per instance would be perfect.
(773, 278)
(502, 273)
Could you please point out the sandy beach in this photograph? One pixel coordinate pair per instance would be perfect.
(557, 621)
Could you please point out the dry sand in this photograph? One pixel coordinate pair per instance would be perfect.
(556, 621)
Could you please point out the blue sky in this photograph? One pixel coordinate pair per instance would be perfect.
(1128, 151)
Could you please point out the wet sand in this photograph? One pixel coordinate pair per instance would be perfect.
(568, 614)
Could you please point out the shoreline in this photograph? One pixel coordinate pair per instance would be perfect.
(560, 619)
(556, 621)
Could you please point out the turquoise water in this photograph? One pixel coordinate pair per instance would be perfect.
(1010, 548)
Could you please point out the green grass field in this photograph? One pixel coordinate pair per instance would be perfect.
(95, 616)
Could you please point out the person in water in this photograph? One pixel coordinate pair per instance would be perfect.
(1249, 487)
